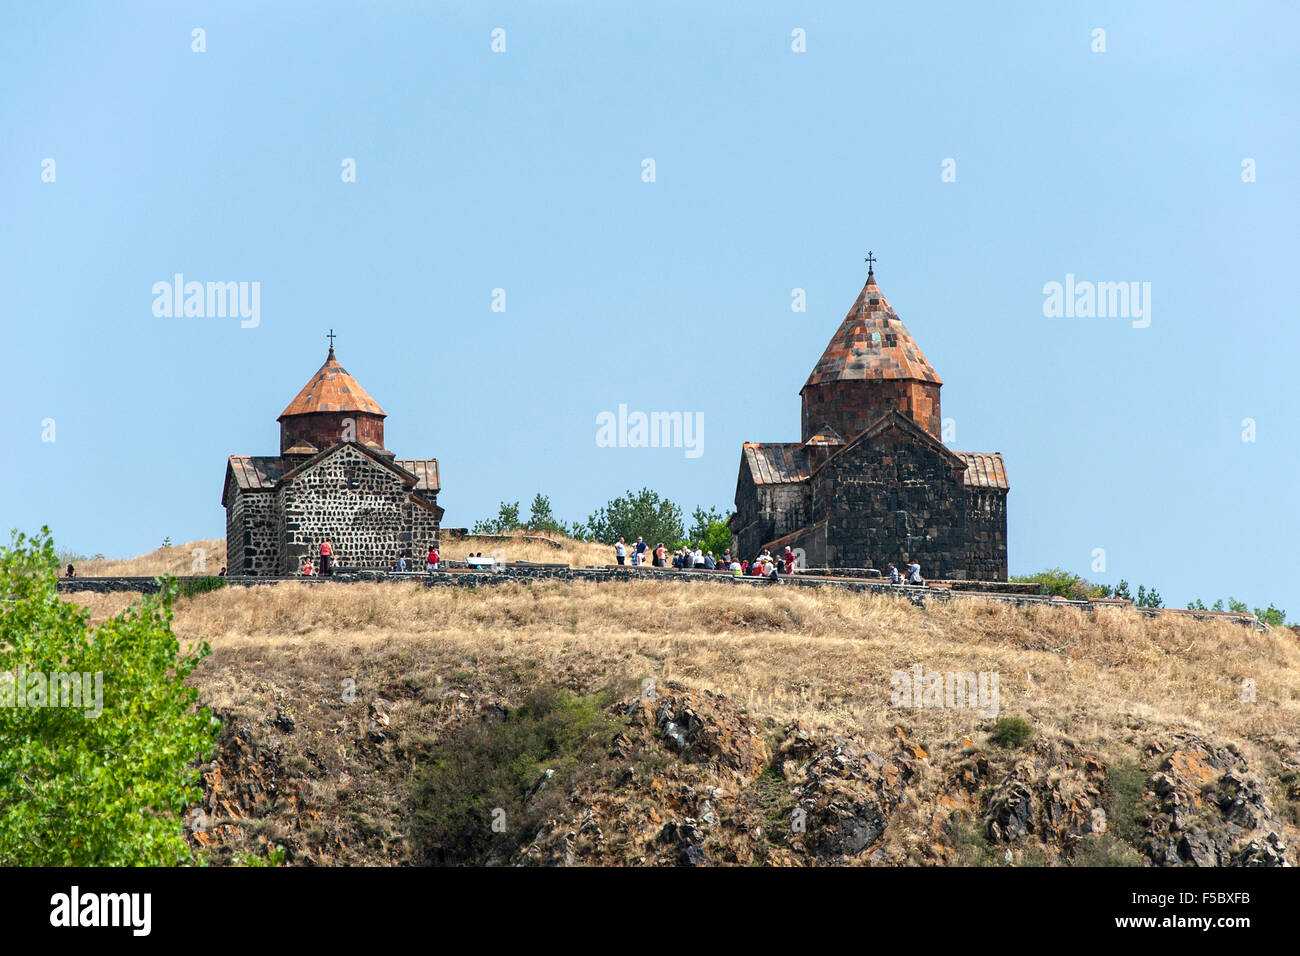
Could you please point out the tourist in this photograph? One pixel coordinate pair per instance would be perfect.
(620, 551)
(661, 556)
(677, 560)
(72, 572)
(726, 558)
(894, 576)
(641, 549)
(697, 557)
(326, 556)
(307, 569)
(431, 559)
(401, 562)
(789, 560)
(914, 574)
(736, 570)
(709, 562)
(774, 572)
(636, 558)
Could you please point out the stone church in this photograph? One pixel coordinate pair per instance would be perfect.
(871, 483)
(332, 479)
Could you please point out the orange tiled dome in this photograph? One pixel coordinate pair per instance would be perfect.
(872, 345)
(332, 389)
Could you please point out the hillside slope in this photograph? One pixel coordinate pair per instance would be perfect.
(389, 724)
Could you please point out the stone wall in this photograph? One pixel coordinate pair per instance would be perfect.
(252, 526)
(766, 512)
(986, 534)
(898, 499)
(850, 407)
(363, 508)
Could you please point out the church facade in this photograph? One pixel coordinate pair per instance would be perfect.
(333, 480)
(871, 483)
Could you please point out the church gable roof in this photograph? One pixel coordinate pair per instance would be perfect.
(984, 469)
(383, 460)
(775, 463)
(894, 420)
(871, 344)
(332, 389)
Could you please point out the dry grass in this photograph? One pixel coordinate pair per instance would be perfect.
(178, 559)
(577, 554)
(823, 655)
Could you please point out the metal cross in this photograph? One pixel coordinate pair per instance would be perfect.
(331, 338)
(870, 261)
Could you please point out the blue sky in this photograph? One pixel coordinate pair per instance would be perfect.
(774, 170)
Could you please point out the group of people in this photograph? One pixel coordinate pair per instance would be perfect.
(687, 558)
(326, 567)
(913, 575)
(684, 558)
(431, 561)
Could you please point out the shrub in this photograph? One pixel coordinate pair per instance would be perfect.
(485, 790)
(1104, 849)
(192, 586)
(1061, 583)
(1011, 732)
(1126, 782)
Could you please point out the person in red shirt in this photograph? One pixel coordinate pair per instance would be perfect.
(433, 558)
(307, 570)
(789, 561)
(326, 556)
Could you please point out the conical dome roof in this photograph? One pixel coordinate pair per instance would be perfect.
(332, 389)
(871, 344)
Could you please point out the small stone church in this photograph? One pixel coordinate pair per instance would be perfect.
(872, 483)
(332, 479)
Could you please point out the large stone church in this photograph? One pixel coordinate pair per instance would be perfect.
(871, 482)
(332, 479)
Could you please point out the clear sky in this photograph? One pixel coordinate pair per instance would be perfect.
(774, 170)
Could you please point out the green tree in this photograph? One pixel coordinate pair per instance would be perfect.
(1272, 616)
(507, 520)
(1149, 598)
(709, 530)
(104, 783)
(541, 518)
(642, 514)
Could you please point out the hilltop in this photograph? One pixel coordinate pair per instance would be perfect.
(655, 722)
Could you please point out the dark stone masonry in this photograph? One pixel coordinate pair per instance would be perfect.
(333, 480)
(871, 482)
